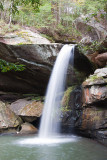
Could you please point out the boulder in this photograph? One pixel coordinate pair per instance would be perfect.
(95, 89)
(92, 30)
(23, 36)
(101, 59)
(8, 119)
(28, 110)
(27, 128)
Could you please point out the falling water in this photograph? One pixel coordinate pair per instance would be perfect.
(51, 113)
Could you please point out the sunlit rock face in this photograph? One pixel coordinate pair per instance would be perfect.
(28, 110)
(93, 119)
(8, 119)
(27, 128)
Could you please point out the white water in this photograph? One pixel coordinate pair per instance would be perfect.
(51, 113)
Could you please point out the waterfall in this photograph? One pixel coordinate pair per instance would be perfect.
(50, 119)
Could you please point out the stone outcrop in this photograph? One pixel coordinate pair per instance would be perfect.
(101, 59)
(38, 60)
(84, 110)
(8, 119)
(23, 36)
(91, 30)
(28, 110)
(93, 119)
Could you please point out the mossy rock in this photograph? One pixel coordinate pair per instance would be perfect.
(66, 98)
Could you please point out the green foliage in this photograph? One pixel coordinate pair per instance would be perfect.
(1, 5)
(56, 16)
(4, 28)
(6, 66)
(95, 45)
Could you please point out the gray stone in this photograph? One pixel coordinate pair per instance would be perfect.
(28, 110)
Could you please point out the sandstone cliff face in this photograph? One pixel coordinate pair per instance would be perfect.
(93, 119)
(38, 59)
(84, 108)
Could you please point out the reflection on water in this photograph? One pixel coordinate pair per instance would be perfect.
(60, 148)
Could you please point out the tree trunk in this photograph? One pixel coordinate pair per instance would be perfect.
(10, 18)
(55, 11)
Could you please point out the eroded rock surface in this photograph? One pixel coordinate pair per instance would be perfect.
(38, 59)
(28, 110)
(27, 128)
(93, 119)
(8, 119)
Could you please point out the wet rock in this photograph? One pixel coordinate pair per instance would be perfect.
(27, 128)
(8, 119)
(71, 108)
(28, 110)
(93, 118)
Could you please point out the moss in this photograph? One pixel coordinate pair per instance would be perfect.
(21, 43)
(93, 77)
(25, 36)
(65, 109)
(39, 98)
(48, 37)
(66, 97)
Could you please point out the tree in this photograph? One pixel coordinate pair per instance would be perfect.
(14, 6)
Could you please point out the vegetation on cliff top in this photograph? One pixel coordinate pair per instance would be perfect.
(54, 18)
(52, 15)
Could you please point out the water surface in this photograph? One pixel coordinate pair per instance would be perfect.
(58, 148)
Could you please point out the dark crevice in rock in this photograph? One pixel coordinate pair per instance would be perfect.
(82, 63)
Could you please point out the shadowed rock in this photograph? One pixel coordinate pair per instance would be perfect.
(39, 60)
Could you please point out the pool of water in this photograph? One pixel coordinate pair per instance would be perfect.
(56, 148)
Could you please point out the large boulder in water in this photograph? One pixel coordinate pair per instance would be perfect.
(27, 128)
(28, 110)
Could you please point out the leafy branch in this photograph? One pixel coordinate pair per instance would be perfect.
(6, 66)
